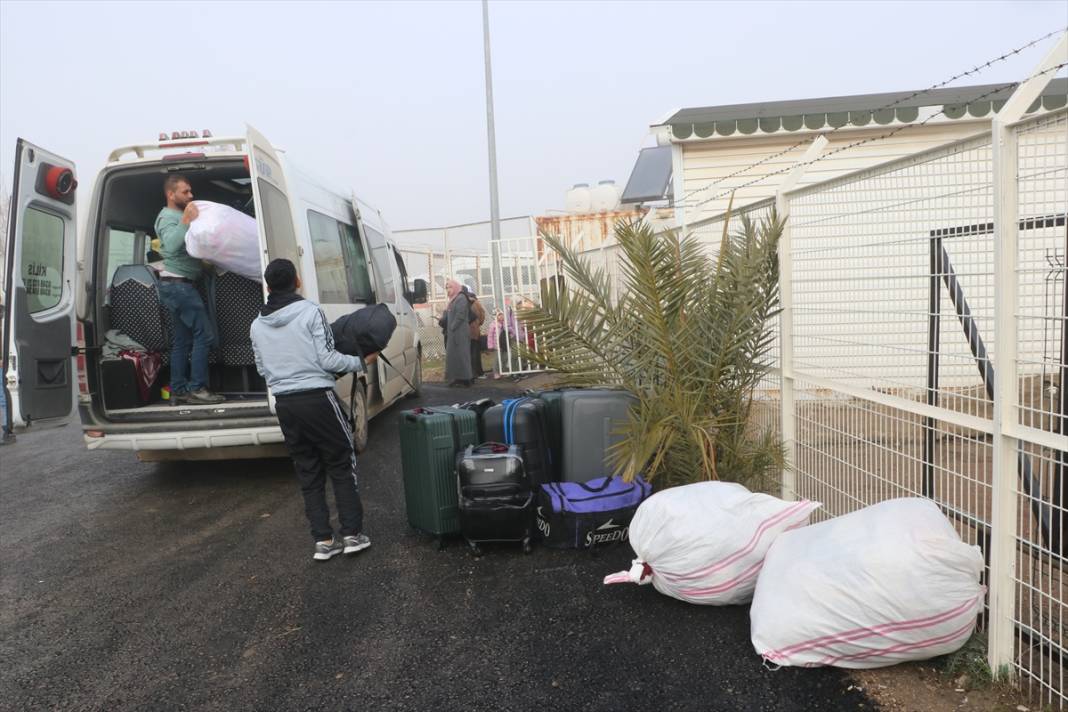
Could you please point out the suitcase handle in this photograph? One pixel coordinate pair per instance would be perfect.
(492, 447)
(607, 481)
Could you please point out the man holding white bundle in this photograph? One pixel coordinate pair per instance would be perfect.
(193, 330)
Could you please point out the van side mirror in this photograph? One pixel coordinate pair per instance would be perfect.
(419, 292)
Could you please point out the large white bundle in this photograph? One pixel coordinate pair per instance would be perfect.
(226, 238)
(885, 584)
(705, 543)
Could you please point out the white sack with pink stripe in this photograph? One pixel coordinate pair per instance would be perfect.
(885, 584)
(705, 543)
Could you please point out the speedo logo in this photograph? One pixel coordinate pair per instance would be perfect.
(543, 524)
(607, 532)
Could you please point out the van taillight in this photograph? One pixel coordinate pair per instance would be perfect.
(57, 183)
(83, 381)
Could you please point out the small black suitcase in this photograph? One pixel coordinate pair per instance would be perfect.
(119, 377)
(496, 499)
(522, 422)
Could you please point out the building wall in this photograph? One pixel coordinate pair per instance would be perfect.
(584, 232)
(706, 164)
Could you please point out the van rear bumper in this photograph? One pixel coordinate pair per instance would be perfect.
(186, 439)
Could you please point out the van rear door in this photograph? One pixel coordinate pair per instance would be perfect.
(274, 218)
(39, 293)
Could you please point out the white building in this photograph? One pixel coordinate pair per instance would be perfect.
(750, 148)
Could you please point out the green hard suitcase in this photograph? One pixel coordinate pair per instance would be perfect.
(430, 439)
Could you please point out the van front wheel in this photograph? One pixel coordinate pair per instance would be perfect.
(359, 416)
(417, 377)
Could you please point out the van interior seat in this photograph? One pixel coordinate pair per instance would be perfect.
(136, 310)
(237, 304)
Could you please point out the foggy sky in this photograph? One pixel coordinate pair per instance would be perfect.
(387, 98)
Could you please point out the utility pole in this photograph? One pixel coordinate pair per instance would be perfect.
(491, 140)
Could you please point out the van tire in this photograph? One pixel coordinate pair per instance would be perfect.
(359, 416)
(417, 378)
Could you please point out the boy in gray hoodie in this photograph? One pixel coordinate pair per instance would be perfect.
(295, 353)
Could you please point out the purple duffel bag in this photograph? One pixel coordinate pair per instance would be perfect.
(580, 515)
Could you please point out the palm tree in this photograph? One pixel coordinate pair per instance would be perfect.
(688, 334)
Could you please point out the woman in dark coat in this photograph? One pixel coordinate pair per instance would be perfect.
(457, 336)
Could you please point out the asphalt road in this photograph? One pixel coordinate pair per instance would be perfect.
(191, 586)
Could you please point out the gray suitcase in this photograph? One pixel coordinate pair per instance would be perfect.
(589, 421)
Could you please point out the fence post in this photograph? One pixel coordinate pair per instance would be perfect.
(1003, 511)
(787, 415)
(1003, 515)
(787, 418)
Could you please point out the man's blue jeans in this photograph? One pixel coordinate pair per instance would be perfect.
(193, 334)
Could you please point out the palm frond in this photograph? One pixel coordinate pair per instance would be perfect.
(688, 335)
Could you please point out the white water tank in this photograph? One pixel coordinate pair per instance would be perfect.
(605, 197)
(577, 200)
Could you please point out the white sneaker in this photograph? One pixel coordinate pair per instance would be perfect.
(356, 543)
(325, 550)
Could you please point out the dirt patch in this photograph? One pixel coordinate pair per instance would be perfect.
(925, 687)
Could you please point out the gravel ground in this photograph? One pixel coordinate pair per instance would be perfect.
(191, 586)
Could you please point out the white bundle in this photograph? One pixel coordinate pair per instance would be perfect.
(705, 543)
(885, 584)
(226, 238)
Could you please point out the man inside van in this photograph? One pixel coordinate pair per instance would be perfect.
(294, 349)
(193, 331)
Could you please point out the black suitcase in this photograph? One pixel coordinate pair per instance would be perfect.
(119, 377)
(521, 422)
(553, 424)
(496, 500)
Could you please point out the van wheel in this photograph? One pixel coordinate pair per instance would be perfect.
(359, 412)
(417, 377)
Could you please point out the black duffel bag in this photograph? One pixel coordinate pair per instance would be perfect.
(364, 331)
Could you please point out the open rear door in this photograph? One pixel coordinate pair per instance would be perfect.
(274, 218)
(39, 278)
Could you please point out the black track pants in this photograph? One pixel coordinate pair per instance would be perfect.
(320, 442)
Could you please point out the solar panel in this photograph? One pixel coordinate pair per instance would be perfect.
(651, 177)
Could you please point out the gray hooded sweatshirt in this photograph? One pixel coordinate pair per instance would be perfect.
(294, 346)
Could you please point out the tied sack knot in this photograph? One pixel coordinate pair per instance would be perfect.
(640, 573)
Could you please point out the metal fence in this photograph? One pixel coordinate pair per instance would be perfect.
(519, 275)
(922, 351)
(925, 325)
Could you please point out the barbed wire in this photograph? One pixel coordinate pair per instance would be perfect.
(880, 137)
(681, 202)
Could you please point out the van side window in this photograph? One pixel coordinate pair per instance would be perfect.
(381, 258)
(42, 259)
(329, 261)
(359, 278)
(121, 250)
(402, 272)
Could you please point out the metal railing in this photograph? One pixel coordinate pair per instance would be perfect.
(923, 351)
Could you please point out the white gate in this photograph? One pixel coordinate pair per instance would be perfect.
(520, 274)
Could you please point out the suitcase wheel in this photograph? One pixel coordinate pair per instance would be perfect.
(441, 543)
(527, 548)
(475, 549)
